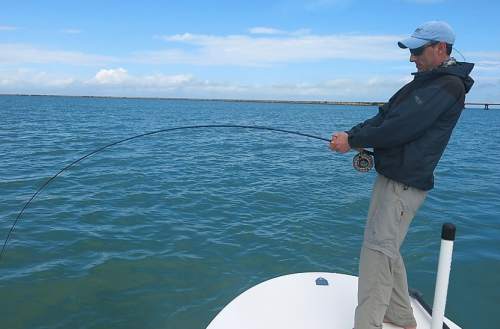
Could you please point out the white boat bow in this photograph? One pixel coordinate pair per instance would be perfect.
(313, 300)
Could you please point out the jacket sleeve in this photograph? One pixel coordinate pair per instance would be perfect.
(373, 122)
(405, 122)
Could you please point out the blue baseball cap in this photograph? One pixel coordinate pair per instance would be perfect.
(430, 31)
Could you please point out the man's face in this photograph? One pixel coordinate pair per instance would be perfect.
(431, 55)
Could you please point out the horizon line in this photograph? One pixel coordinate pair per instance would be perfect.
(359, 103)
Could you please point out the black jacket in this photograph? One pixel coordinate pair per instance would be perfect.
(411, 131)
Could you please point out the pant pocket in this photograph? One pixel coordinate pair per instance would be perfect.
(382, 230)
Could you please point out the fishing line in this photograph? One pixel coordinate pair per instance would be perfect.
(362, 161)
(460, 54)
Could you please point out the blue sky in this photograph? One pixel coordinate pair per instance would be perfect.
(325, 50)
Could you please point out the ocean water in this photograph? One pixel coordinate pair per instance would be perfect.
(162, 231)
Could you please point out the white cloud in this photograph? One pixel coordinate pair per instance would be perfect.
(113, 77)
(69, 31)
(486, 66)
(25, 53)
(266, 30)
(120, 78)
(8, 28)
(264, 51)
(119, 82)
(60, 82)
(28, 79)
(490, 56)
(488, 62)
(273, 47)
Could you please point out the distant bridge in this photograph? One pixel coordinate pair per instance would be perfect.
(486, 105)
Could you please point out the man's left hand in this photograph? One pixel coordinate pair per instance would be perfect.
(339, 143)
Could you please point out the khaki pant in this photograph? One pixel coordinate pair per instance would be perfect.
(382, 283)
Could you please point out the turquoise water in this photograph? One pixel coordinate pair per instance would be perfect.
(163, 231)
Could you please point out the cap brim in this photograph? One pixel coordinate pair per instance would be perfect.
(412, 43)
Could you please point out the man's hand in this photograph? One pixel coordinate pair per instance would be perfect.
(339, 143)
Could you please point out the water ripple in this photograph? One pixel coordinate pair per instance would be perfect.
(163, 231)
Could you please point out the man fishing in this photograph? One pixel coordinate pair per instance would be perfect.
(408, 135)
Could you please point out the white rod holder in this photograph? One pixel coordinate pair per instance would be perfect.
(443, 275)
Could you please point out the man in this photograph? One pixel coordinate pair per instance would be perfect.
(408, 135)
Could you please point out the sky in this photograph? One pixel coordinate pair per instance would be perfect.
(309, 50)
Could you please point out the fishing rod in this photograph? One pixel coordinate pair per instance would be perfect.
(362, 162)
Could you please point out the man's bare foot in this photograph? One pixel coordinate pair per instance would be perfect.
(387, 321)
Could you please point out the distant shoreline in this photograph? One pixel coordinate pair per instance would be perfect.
(210, 99)
(233, 100)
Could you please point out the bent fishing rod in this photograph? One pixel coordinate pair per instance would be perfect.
(362, 162)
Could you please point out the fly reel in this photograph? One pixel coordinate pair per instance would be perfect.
(363, 162)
